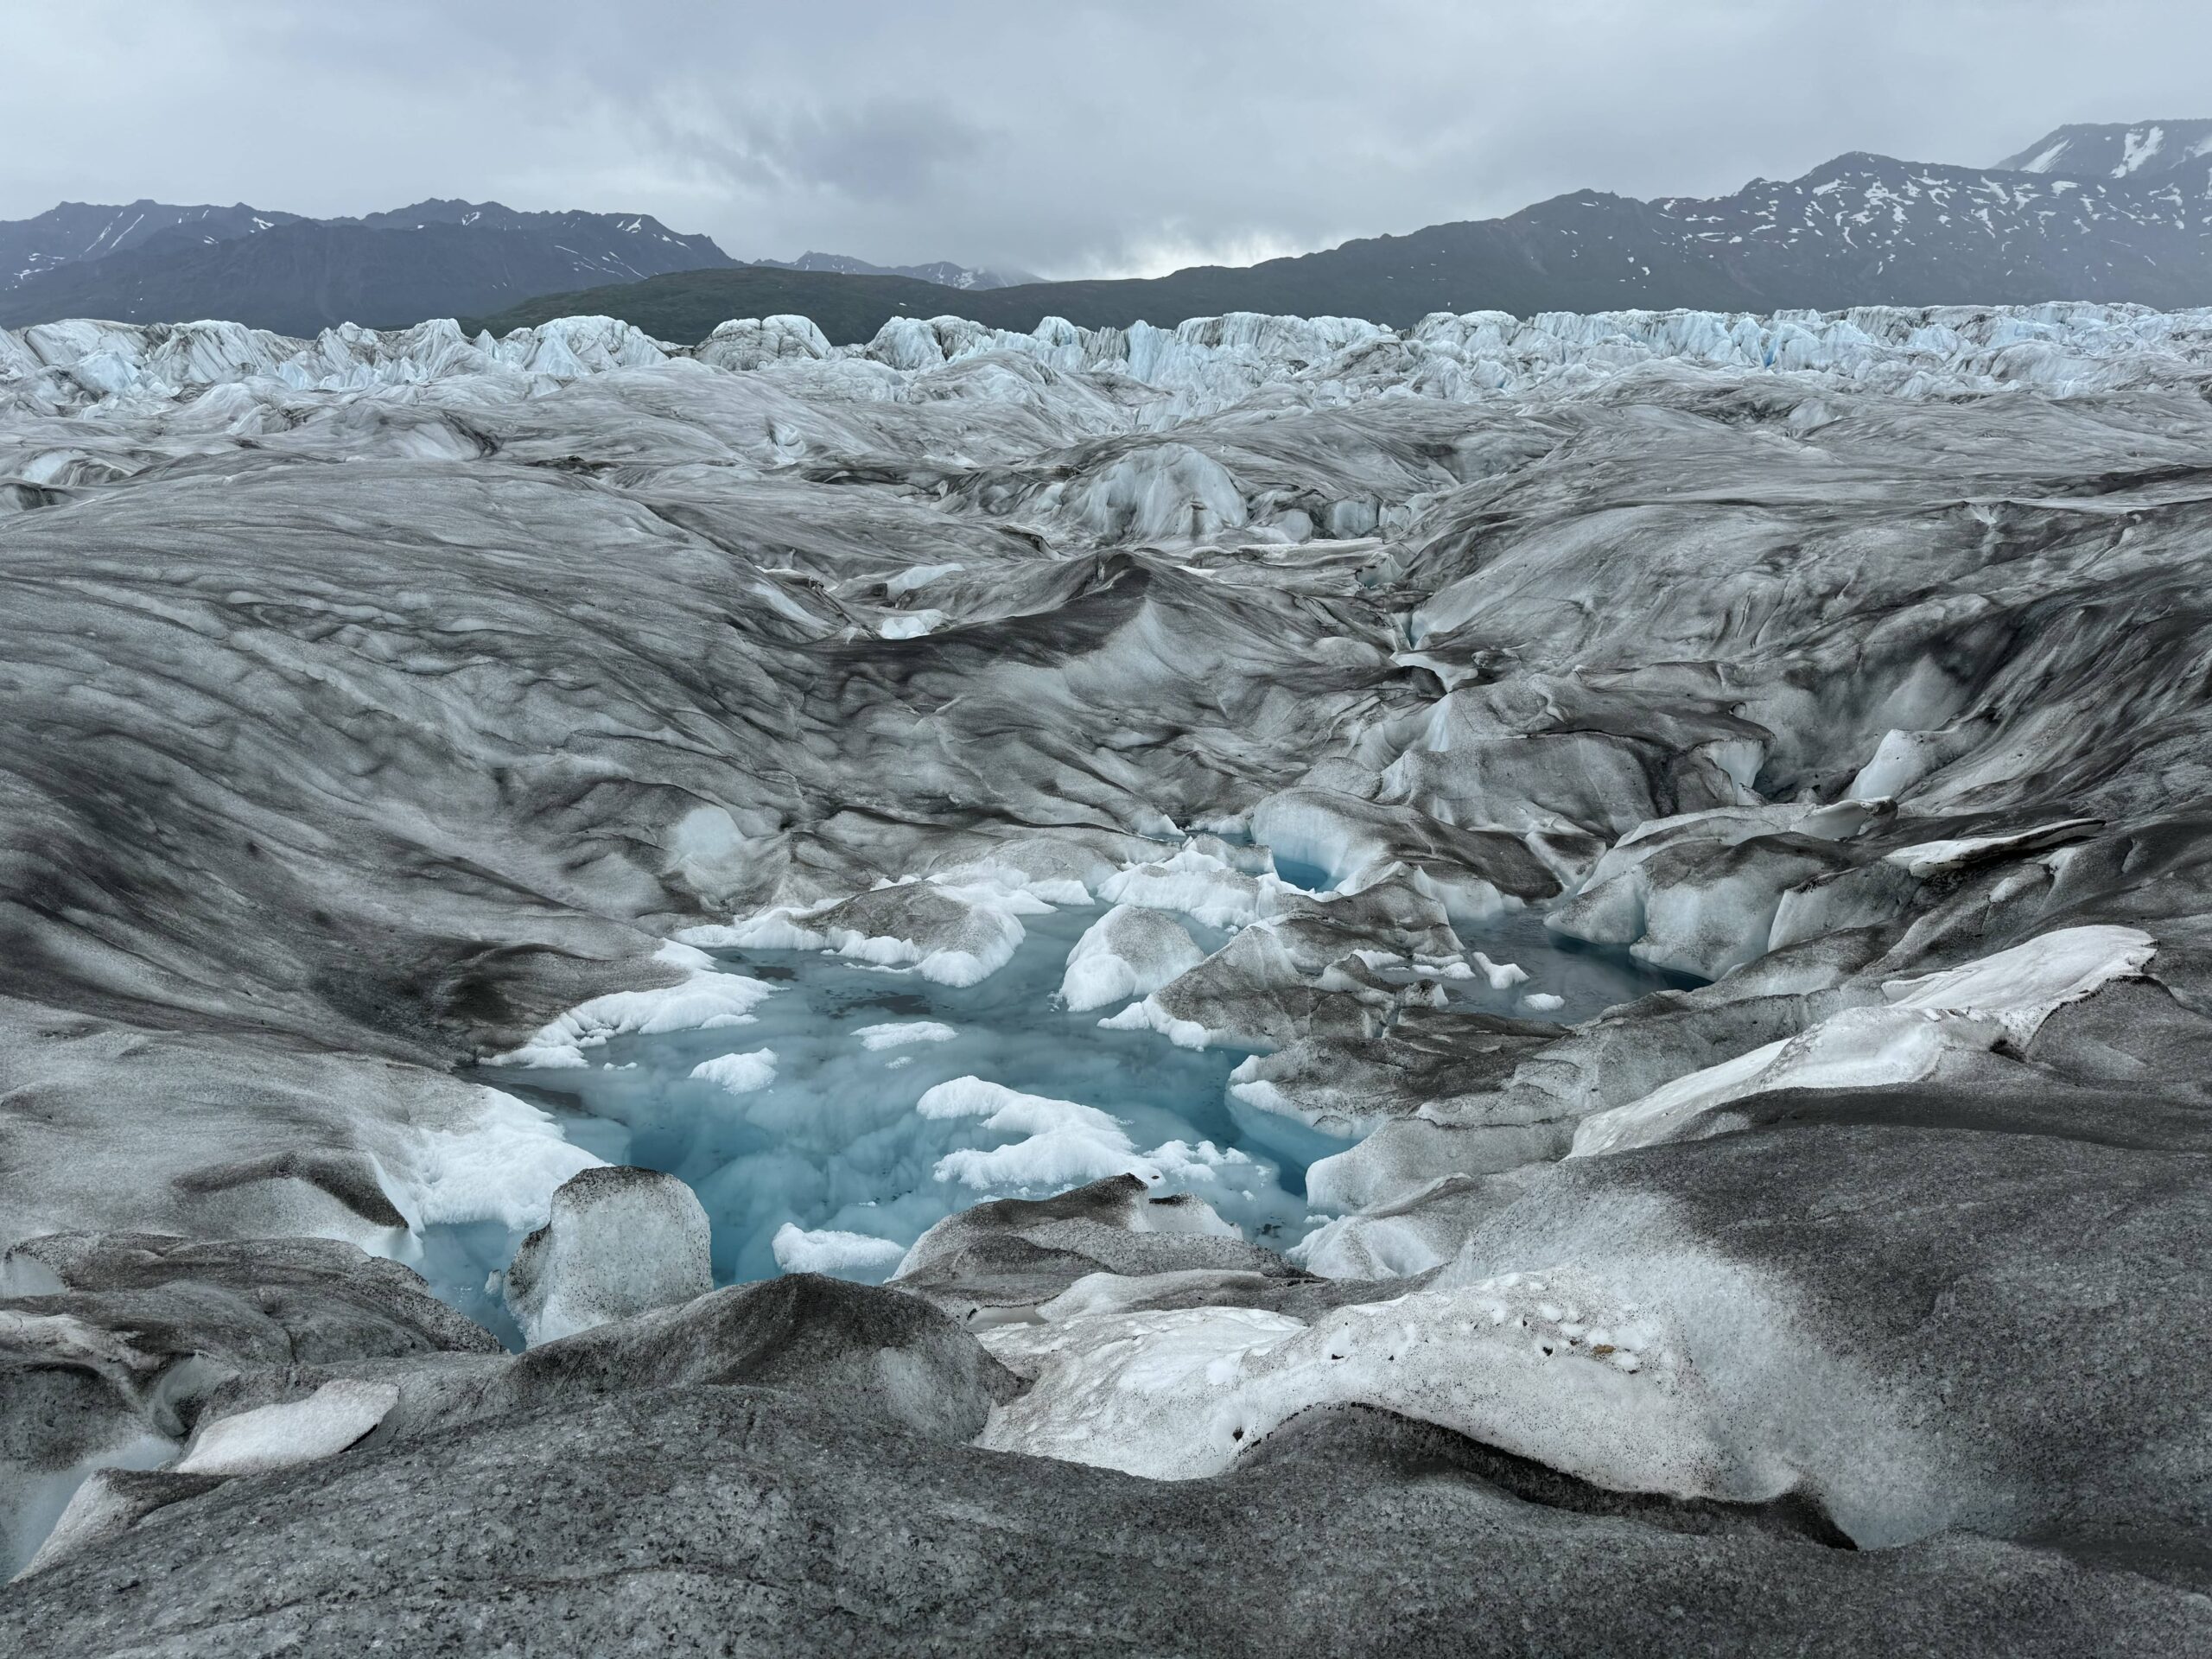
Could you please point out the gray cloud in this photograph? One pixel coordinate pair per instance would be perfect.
(1075, 138)
(881, 150)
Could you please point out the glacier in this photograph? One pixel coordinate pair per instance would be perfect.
(230, 377)
(986, 985)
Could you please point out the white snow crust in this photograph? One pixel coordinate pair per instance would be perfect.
(739, 1074)
(1548, 1365)
(504, 1168)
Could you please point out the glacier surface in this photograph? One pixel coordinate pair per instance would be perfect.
(1566, 955)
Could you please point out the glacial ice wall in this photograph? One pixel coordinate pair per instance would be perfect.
(1149, 377)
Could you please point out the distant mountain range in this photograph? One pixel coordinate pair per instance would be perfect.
(78, 231)
(1860, 229)
(157, 262)
(297, 275)
(2088, 213)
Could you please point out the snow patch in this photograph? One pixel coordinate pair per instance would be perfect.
(1929, 858)
(1149, 1015)
(2021, 987)
(1063, 1143)
(910, 624)
(1198, 884)
(505, 1166)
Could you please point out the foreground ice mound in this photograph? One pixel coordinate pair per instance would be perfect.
(1545, 1364)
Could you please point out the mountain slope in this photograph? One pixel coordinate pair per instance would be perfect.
(2105, 214)
(1867, 230)
(300, 278)
(942, 272)
(848, 309)
(78, 231)
(1862, 230)
(433, 258)
(2143, 150)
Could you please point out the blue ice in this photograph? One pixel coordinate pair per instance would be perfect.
(825, 1133)
(833, 1140)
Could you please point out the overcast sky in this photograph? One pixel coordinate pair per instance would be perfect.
(1120, 137)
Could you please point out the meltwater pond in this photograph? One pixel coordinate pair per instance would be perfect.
(813, 1115)
(857, 1105)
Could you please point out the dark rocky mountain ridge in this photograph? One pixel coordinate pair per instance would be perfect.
(1860, 230)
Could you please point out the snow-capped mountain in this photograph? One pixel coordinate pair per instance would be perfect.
(2117, 214)
(2114, 151)
(279, 271)
(1867, 230)
(1860, 229)
(944, 272)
